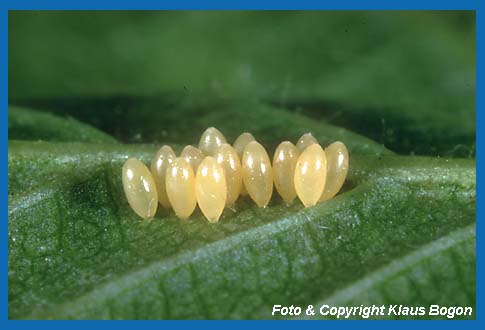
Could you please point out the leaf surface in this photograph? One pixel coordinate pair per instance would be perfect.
(75, 240)
(90, 89)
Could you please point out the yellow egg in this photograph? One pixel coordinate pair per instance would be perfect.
(306, 140)
(140, 188)
(227, 157)
(284, 163)
(210, 140)
(180, 185)
(211, 189)
(162, 159)
(193, 156)
(337, 168)
(239, 145)
(257, 173)
(241, 142)
(310, 175)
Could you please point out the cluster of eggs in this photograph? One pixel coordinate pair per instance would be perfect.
(215, 174)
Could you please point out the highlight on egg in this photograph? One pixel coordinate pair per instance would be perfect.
(215, 174)
(210, 140)
(161, 161)
(239, 144)
(305, 141)
(310, 174)
(229, 160)
(337, 168)
(180, 185)
(284, 164)
(193, 156)
(257, 173)
(140, 188)
(211, 188)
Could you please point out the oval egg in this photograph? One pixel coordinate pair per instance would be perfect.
(305, 141)
(140, 188)
(193, 156)
(241, 142)
(257, 173)
(337, 168)
(161, 161)
(284, 164)
(310, 175)
(239, 145)
(180, 185)
(227, 157)
(211, 189)
(210, 140)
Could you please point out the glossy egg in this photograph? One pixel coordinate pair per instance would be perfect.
(211, 188)
(180, 185)
(310, 175)
(257, 173)
(227, 157)
(284, 164)
(193, 156)
(239, 145)
(140, 188)
(210, 140)
(306, 140)
(160, 162)
(241, 142)
(337, 168)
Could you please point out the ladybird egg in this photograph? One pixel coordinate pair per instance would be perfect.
(227, 157)
(163, 158)
(306, 140)
(193, 156)
(337, 168)
(180, 185)
(140, 188)
(242, 141)
(310, 175)
(211, 189)
(239, 145)
(257, 173)
(210, 140)
(284, 163)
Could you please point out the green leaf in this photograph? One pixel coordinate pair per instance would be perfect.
(401, 231)
(25, 124)
(427, 275)
(76, 250)
(173, 118)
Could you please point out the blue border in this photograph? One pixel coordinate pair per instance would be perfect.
(241, 4)
(6, 5)
(4, 164)
(479, 138)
